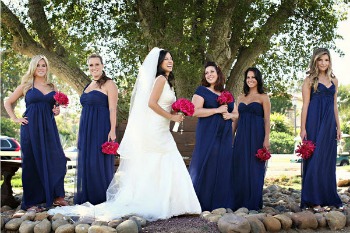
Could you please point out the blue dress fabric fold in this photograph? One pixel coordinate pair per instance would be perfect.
(43, 159)
(319, 185)
(248, 170)
(210, 168)
(95, 170)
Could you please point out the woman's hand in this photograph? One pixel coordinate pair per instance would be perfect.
(177, 117)
(56, 110)
(303, 134)
(338, 134)
(22, 121)
(227, 115)
(266, 144)
(111, 136)
(222, 109)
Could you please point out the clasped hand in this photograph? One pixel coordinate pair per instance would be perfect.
(177, 117)
(56, 110)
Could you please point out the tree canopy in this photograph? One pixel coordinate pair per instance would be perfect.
(276, 36)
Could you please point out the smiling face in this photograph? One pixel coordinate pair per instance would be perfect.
(95, 67)
(251, 80)
(41, 69)
(323, 63)
(211, 75)
(167, 64)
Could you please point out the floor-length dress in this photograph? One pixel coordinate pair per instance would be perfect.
(95, 170)
(319, 176)
(43, 159)
(248, 171)
(210, 167)
(152, 180)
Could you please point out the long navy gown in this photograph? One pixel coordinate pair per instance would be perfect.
(95, 169)
(210, 167)
(248, 171)
(319, 176)
(43, 159)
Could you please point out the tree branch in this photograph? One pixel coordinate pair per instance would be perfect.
(24, 43)
(220, 33)
(41, 26)
(260, 44)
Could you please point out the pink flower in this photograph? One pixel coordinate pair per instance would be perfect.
(305, 149)
(225, 98)
(61, 99)
(263, 154)
(110, 148)
(183, 105)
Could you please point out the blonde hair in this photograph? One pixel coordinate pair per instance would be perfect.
(313, 71)
(28, 78)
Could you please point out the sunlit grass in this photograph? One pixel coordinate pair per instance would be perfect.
(284, 181)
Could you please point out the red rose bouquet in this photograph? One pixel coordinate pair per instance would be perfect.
(61, 99)
(225, 98)
(263, 154)
(305, 149)
(182, 106)
(110, 148)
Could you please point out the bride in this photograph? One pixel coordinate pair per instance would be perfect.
(152, 180)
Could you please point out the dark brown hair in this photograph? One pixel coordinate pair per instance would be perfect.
(220, 82)
(104, 77)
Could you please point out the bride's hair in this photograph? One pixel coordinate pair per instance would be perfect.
(160, 71)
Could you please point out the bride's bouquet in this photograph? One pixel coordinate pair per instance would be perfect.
(182, 106)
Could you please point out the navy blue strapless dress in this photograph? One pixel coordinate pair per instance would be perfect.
(319, 172)
(248, 171)
(95, 169)
(43, 159)
(210, 168)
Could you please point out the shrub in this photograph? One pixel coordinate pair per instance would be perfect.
(281, 143)
(9, 128)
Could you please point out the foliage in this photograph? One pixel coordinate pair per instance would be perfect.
(9, 128)
(344, 105)
(279, 123)
(277, 36)
(280, 103)
(281, 143)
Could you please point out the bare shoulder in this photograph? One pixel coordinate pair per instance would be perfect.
(110, 84)
(264, 97)
(335, 81)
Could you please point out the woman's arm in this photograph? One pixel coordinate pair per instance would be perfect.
(199, 111)
(336, 112)
(112, 93)
(306, 90)
(154, 97)
(267, 111)
(18, 93)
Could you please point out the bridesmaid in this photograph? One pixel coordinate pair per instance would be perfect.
(253, 132)
(43, 159)
(97, 125)
(320, 124)
(210, 168)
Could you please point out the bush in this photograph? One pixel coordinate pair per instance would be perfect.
(281, 143)
(279, 123)
(9, 128)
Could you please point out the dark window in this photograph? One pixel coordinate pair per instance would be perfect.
(5, 143)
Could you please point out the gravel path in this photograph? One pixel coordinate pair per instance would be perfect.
(183, 224)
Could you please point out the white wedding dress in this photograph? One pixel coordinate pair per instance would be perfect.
(152, 180)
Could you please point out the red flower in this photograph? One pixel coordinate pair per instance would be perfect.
(225, 98)
(61, 99)
(110, 148)
(183, 105)
(305, 149)
(263, 154)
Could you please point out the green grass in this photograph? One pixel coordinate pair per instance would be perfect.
(284, 181)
